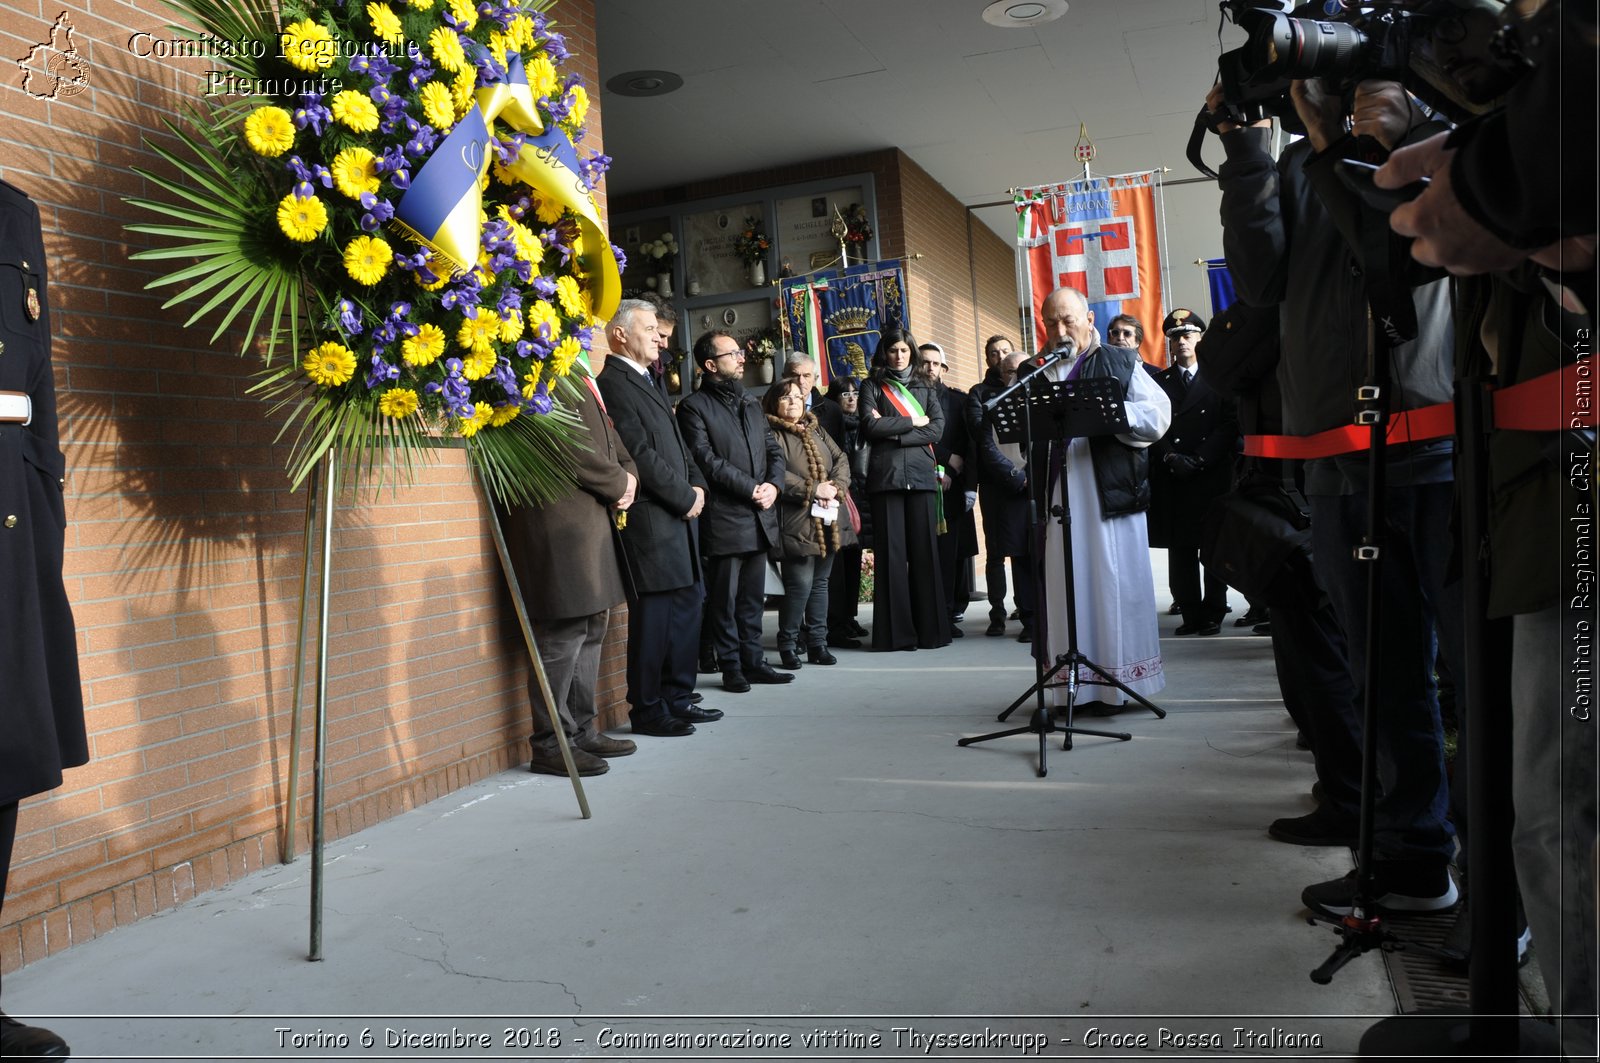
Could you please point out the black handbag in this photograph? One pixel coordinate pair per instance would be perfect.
(1258, 538)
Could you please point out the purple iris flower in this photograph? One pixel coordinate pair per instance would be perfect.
(622, 257)
(510, 299)
(378, 211)
(540, 401)
(381, 372)
(544, 287)
(556, 47)
(349, 317)
(311, 113)
(379, 66)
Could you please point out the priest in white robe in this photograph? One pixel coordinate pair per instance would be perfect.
(1108, 489)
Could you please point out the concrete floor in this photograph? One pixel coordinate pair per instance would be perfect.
(825, 858)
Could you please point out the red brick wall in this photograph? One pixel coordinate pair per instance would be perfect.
(184, 553)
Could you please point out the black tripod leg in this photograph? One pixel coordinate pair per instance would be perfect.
(1114, 681)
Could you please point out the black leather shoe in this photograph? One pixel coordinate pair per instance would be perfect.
(1187, 629)
(857, 630)
(667, 726)
(735, 682)
(956, 632)
(789, 659)
(1026, 635)
(841, 642)
(1210, 627)
(995, 629)
(765, 673)
(820, 655)
(20, 1041)
(697, 714)
(708, 664)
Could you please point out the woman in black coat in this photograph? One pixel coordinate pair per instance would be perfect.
(901, 417)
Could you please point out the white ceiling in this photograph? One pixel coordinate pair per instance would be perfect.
(982, 109)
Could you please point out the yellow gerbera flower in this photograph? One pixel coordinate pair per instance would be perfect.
(511, 326)
(542, 319)
(425, 347)
(445, 48)
(548, 211)
(521, 31)
(355, 170)
(469, 425)
(531, 379)
(466, 13)
(478, 333)
(541, 76)
(504, 414)
(463, 87)
(580, 107)
(307, 46)
(269, 131)
(386, 24)
(355, 111)
(366, 259)
(438, 106)
(570, 296)
(398, 403)
(329, 364)
(302, 219)
(420, 5)
(564, 355)
(478, 364)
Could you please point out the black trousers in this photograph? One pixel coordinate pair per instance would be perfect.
(1183, 570)
(844, 591)
(1320, 696)
(663, 631)
(909, 608)
(735, 591)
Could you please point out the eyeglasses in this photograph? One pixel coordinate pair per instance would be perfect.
(1121, 332)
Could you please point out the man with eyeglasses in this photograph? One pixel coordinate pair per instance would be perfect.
(731, 442)
(959, 540)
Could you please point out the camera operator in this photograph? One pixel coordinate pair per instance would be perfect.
(1505, 195)
(1294, 235)
(1501, 189)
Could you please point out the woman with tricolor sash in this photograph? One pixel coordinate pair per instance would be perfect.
(901, 418)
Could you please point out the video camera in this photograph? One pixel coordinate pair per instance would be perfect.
(1281, 48)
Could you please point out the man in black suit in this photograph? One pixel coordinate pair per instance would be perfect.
(959, 540)
(659, 540)
(1001, 470)
(1191, 465)
(743, 465)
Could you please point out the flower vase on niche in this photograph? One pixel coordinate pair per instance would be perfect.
(764, 372)
(758, 273)
(664, 285)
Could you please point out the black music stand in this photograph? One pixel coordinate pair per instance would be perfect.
(1040, 412)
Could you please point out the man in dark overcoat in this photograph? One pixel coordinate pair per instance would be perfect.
(1190, 466)
(41, 709)
(659, 541)
(565, 558)
(743, 465)
(959, 540)
(1001, 470)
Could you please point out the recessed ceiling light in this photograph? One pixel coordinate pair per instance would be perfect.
(1020, 14)
(645, 83)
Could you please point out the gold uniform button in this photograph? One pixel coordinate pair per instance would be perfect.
(11, 521)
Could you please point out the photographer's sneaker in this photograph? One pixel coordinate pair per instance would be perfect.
(1399, 886)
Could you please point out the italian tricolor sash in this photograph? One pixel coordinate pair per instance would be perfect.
(906, 403)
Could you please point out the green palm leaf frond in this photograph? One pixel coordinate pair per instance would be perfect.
(225, 210)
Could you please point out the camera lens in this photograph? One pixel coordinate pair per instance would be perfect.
(1303, 47)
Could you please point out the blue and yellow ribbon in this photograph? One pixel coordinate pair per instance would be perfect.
(441, 209)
